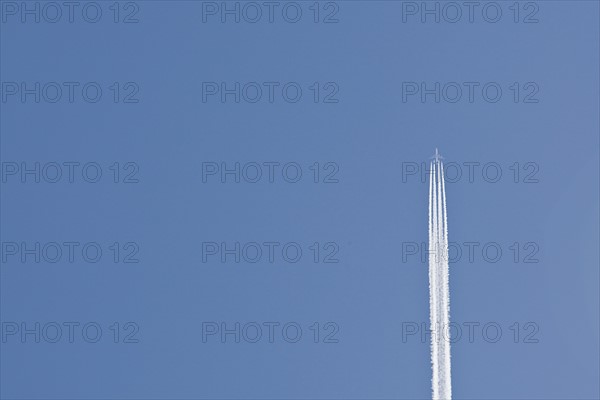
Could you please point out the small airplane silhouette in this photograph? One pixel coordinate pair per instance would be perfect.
(436, 156)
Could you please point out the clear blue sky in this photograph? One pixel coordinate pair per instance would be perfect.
(371, 135)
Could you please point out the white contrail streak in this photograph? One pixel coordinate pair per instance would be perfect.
(445, 287)
(432, 285)
(439, 294)
(439, 280)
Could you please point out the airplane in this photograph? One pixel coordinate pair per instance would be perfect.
(436, 156)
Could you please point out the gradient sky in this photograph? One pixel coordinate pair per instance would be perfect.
(372, 213)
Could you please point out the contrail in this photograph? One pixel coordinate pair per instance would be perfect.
(433, 297)
(439, 294)
(445, 292)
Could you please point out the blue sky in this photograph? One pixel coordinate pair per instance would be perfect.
(365, 130)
